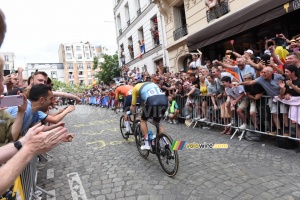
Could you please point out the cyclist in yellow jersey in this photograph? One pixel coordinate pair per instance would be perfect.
(155, 105)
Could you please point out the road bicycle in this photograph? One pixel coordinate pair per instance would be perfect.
(168, 158)
(132, 123)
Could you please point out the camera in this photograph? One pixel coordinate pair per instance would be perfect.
(279, 41)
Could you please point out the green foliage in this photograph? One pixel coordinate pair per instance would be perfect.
(72, 88)
(95, 63)
(109, 68)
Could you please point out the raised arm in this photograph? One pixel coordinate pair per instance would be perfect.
(66, 95)
(216, 62)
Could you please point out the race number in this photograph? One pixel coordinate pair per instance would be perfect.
(130, 92)
(155, 91)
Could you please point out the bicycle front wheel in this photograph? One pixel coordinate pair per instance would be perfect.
(139, 140)
(123, 128)
(168, 158)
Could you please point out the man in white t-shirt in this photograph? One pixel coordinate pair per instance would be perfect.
(236, 95)
(196, 63)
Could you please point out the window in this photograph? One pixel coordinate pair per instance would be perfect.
(78, 48)
(81, 82)
(141, 40)
(6, 57)
(70, 75)
(79, 56)
(80, 73)
(87, 56)
(6, 66)
(69, 56)
(179, 22)
(68, 48)
(94, 55)
(88, 65)
(86, 48)
(32, 65)
(80, 66)
(90, 82)
(53, 74)
(130, 47)
(93, 48)
(71, 82)
(127, 14)
(70, 66)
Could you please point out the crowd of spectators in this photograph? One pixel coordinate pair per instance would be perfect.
(22, 135)
(234, 88)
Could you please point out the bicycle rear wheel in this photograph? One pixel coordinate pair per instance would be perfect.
(123, 128)
(139, 140)
(168, 159)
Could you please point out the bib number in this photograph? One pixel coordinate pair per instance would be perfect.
(155, 91)
(130, 92)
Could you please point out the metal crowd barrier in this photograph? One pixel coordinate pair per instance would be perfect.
(29, 180)
(202, 107)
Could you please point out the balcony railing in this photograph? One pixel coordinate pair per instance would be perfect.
(139, 12)
(217, 11)
(180, 32)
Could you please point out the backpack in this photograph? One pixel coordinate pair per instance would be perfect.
(286, 143)
(251, 136)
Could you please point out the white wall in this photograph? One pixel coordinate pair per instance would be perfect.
(145, 23)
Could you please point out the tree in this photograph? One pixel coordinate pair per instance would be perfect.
(95, 63)
(109, 68)
(62, 86)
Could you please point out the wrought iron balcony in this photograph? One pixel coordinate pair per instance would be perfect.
(180, 32)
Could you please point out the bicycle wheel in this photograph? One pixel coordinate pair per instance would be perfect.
(139, 140)
(123, 128)
(168, 159)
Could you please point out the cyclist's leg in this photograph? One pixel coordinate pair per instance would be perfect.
(159, 111)
(127, 103)
(146, 113)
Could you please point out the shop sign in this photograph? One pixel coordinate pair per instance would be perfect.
(216, 9)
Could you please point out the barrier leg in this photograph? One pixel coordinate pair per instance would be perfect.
(44, 191)
(235, 132)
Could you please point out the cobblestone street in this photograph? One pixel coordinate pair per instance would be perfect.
(100, 164)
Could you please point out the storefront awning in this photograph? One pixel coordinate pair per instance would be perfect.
(242, 20)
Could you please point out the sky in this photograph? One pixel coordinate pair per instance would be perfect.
(36, 28)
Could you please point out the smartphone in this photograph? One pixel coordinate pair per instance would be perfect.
(6, 72)
(13, 100)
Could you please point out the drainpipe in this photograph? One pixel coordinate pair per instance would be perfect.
(163, 41)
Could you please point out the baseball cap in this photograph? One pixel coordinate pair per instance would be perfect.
(249, 51)
(268, 52)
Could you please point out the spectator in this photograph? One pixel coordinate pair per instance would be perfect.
(173, 110)
(34, 143)
(236, 95)
(196, 63)
(241, 68)
(292, 83)
(270, 82)
(37, 141)
(254, 93)
(191, 92)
